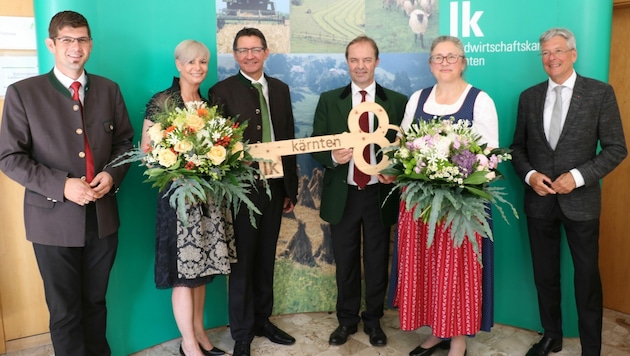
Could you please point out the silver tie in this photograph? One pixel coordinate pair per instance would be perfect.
(556, 118)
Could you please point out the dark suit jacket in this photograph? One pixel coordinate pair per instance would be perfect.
(593, 118)
(331, 117)
(237, 98)
(40, 142)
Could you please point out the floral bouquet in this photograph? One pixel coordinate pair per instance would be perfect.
(199, 155)
(444, 173)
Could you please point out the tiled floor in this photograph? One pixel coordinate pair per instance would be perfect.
(312, 330)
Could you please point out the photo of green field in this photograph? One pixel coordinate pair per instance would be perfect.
(393, 24)
(325, 26)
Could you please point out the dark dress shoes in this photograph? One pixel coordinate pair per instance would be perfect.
(340, 335)
(242, 348)
(214, 352)
(545, 346)
(275, 334)
(377, 336)
(420, 351)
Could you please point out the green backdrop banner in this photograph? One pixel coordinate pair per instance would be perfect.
(501, 41)
(134, 43)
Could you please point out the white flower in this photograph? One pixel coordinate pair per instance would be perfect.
(217, 154)
(403, 153)
(194, 122)
(443, 146)
(155, 132)
(167, 158)
(183, 146)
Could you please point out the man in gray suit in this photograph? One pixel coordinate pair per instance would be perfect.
(559, 125)
(56, 141)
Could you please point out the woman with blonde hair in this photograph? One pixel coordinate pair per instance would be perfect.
(190, 250)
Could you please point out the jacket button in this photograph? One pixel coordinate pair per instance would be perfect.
(79, 131)
(82, 154)
(75, 107)
(83, 178)
(258, 127)
(257, 111)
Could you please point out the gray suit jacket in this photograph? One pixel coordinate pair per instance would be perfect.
(40, 142)
(593, 118)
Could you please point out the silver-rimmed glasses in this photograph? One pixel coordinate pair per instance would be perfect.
(254, 50)
(67, 40)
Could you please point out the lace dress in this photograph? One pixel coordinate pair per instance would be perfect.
(191, 255)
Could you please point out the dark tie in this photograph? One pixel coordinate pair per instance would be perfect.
(361, 178)
(555, 127)
(266, 127)
(89, 160)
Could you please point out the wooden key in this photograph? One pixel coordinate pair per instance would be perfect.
(356, 139)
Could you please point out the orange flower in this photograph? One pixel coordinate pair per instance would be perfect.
(170, 129)
(202, 112)
(224, 141)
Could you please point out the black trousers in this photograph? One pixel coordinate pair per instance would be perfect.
(361, 218)
(250, 299)
(75, 283)
(583, 240)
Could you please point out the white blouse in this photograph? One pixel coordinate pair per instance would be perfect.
(485, 120)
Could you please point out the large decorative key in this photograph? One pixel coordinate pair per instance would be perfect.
(272, 152)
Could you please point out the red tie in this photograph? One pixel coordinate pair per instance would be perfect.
(361, 178)
(89, 160)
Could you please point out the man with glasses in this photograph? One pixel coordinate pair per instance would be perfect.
(59, 130)
(265, 104)
(560, 123)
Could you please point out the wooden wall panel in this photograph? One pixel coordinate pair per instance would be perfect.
(615, 230)
(23, 312)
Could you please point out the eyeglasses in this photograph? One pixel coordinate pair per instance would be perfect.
(70, 40)
(556, 53)
(439, 59)
(255, 50)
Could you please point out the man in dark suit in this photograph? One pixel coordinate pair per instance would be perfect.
(559, 125)
(354, 207)
(56, 142)
(251, 279)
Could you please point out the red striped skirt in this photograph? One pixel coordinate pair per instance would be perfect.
(439, 286)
